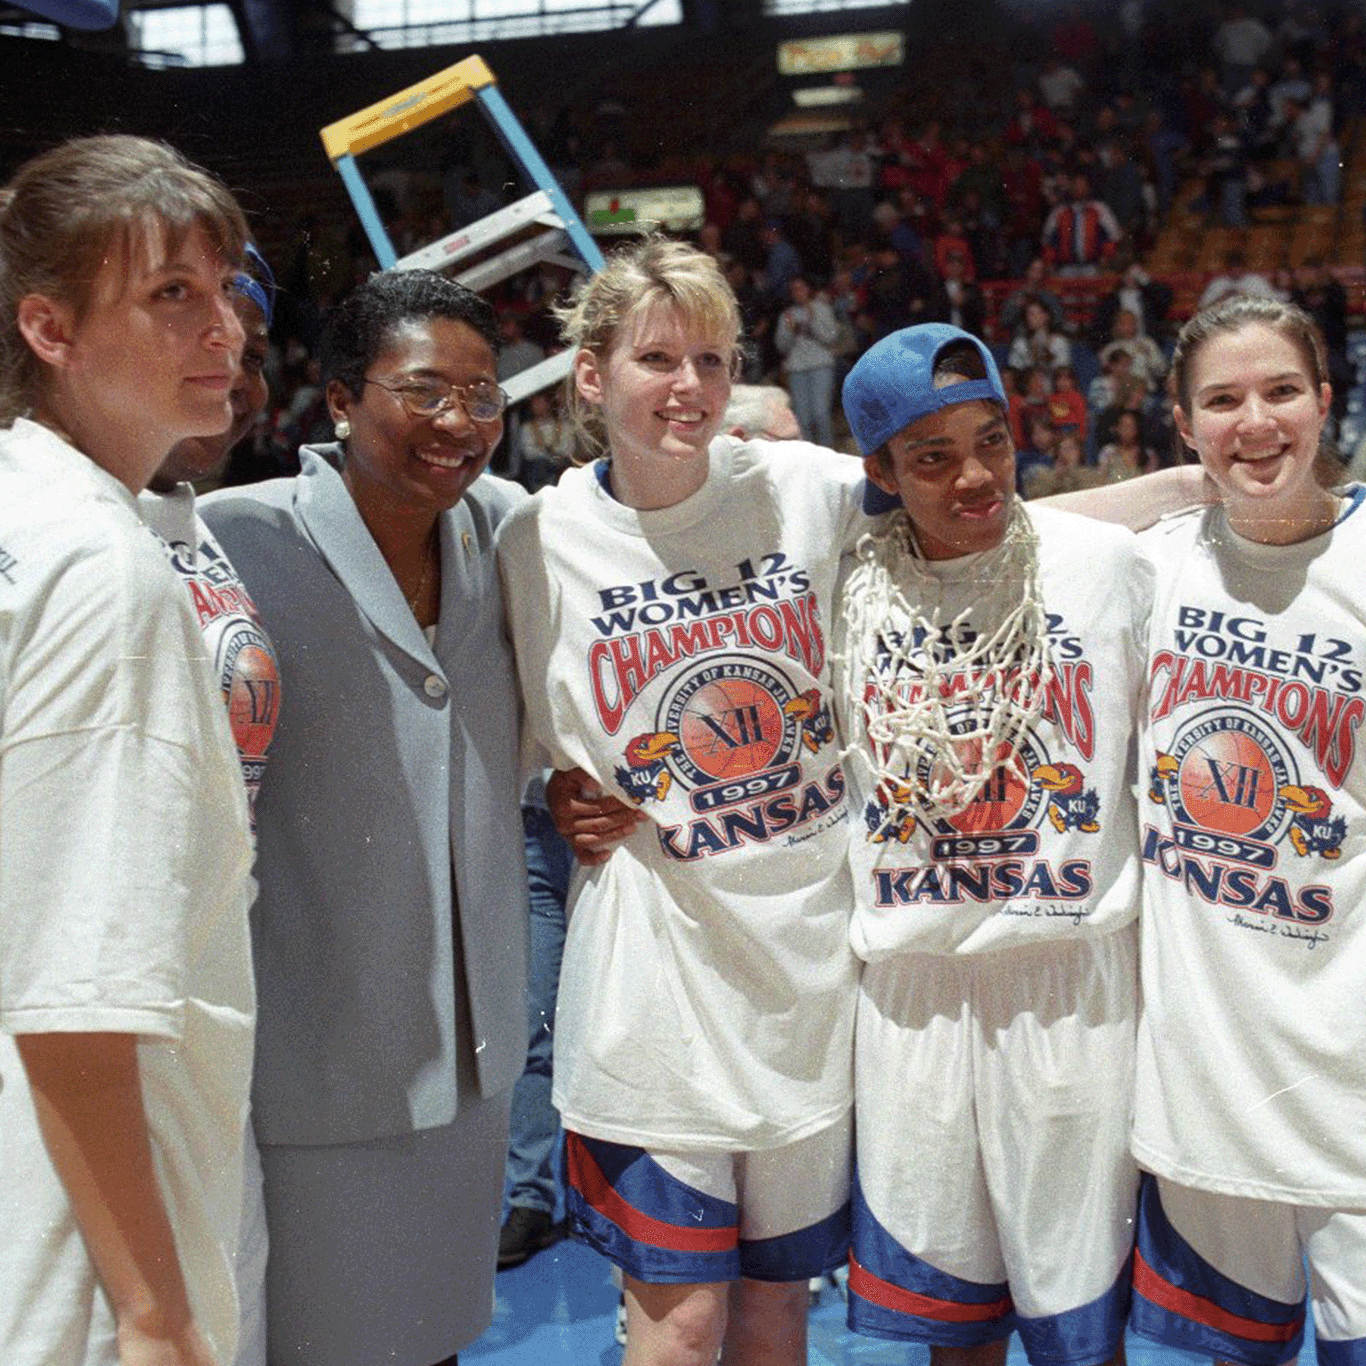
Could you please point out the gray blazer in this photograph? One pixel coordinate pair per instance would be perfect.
(394, 766)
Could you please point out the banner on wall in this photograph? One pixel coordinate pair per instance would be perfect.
(840, 52)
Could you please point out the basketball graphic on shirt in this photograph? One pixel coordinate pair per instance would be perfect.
(1007, 800)
(252, 692)
(1227, 783)
(997, 804)
(735, 719)
(731, 727)
(250, 679)
(1224, 772)
(999, 800)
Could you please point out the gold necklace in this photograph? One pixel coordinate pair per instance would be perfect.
(426, 571)
(1290, 530)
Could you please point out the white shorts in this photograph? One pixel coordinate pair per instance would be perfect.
(994, 1190)
(775, 1214)
(1225, 1276)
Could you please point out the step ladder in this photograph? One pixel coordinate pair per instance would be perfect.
(563, 240)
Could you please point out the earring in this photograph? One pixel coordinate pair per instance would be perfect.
(342, 427)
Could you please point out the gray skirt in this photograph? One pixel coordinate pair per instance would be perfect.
(383, 1252)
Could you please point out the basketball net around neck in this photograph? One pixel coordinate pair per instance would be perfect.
(939, 709)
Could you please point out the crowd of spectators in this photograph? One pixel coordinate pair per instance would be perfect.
(900, 219)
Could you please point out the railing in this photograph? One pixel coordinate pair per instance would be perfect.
(1080, 295)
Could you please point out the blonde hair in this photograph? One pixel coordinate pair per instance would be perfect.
(69, 211)
(653, 272)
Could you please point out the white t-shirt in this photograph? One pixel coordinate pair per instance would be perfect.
(707, 994)
(1313, 129)
(1053, 857)
(1252, 1045)
(124, 885)
(240, 653)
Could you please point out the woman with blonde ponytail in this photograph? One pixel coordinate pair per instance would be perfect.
(669, 604)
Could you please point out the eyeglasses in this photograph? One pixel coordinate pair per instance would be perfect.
(482, 402)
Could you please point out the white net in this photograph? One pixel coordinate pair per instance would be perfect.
(944, 700)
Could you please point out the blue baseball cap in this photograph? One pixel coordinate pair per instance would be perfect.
(892, 385)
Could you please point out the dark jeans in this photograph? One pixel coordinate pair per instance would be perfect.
(535, 1129)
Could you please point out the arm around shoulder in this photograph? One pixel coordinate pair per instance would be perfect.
(1139, 503)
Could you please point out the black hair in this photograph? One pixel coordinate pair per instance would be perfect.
(363, 323)
(960, 359)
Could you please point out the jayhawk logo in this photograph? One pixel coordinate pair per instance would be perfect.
(1163, 771)
(814, 713)
(1311, 832)
(1071, 804)
(644, 774)
(889, 816)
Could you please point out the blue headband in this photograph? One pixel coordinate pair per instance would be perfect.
(259, 285)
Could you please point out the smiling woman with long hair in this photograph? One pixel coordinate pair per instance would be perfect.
(1251, 1101)
(1251, 1063)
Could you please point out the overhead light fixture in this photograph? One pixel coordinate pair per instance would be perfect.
(819, 96)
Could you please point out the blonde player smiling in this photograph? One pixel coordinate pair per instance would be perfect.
(669, 605)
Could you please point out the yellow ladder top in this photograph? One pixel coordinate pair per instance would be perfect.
(406, 110)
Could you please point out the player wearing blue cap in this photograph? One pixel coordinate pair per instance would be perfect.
(990, 664)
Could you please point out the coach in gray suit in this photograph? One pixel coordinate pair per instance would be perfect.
(390, 931)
